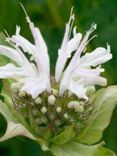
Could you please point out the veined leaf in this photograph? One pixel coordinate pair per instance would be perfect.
(64, 137)
(76, 149)
(104, 104)
(105, 152)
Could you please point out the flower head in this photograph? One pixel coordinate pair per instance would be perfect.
(48, 106)
(34, 74)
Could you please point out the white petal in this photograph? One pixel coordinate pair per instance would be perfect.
(97, 57)
(67, 48)
(73, 44)
(23, 43)
(78, 90)
(42, 52)
(89, 77)
(35, 86)
(12, 54)
(76, 58)
(12, 71)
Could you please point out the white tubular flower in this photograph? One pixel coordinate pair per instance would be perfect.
(67, 47)
(35, 78)
(79, 75)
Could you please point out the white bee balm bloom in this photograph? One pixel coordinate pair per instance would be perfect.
(79, 75)
(34, 78)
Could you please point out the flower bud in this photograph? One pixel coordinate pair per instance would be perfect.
(51, 99)
(44, 110)
(66, 116)
(15, 87)
(22, 93)
(71, 104)
(38, 100)
(58, 109)
(79, 108)
(82, 103)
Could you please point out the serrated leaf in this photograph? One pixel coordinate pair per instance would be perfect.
(104, 104)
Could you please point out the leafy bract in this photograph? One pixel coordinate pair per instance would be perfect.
(13, 127)
(64, 137)
(104, 152)
(77, 149)
(105, 102)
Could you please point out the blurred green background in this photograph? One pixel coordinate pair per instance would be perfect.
(50, 16)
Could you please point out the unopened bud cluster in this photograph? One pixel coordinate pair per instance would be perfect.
(50, 112)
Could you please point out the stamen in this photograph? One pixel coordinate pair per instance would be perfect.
(24, 9)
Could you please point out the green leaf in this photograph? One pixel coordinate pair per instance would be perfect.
(64, 137)
(6, 113)
(75, 149)
(104, 104)
(105, 152)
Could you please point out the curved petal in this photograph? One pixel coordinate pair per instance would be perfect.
(67, 47)
(89, 77)
(11, 53)
(35, 86)
(11, 71)
(78, 89)
(98, 56)
(41, 49)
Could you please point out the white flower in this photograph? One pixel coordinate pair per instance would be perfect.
(81, 73)
(35, 78)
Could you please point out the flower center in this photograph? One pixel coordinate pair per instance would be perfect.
(49, 113)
